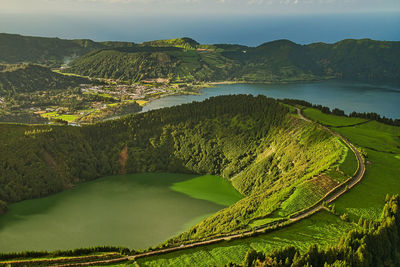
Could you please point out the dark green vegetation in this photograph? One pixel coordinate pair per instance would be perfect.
(27, 78)
(252, 141)
(134, 210)
(184, 59)
(16, 48)
(278, 61)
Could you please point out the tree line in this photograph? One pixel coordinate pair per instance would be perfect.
(339, 112)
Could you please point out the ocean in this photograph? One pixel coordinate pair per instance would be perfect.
(208, 29)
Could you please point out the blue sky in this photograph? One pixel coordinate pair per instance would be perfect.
(197, 6)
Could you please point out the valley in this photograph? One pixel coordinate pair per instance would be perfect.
(194, 154)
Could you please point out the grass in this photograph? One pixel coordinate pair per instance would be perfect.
(306, 194)
(209, 187)
(141, 102)
(350, 164)
(327, 119)
(68, 118)
(381, 142)
(323, 228)
(49, 114)
(382, 145)
(55, 115)
(69, 74)
(291, 108)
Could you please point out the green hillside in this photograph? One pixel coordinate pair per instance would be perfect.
(251, 141)
(381, 147)
(184, 59)
(155, 62)
(25, 78)
(15, 48)
(277, 61)
(185, 42)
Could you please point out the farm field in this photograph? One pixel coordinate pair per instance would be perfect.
(323, 228)
(381, 143)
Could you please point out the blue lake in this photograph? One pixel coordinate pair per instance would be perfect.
(349, 96)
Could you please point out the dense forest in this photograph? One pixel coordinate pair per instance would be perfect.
(370, 244)
(27, 78)
(15, 48)
(252, 141)
(184, 59)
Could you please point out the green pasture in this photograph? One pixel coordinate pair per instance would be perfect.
(323, 228)
(328, 119)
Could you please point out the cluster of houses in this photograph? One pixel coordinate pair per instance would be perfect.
(124, 91)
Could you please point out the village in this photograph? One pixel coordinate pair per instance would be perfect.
(110, 99)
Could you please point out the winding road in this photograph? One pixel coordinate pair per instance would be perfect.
(328, 198)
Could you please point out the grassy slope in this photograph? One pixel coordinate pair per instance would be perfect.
(322, 228)
(381, 143)
(333, 120)
(366, 200)
(286, 158)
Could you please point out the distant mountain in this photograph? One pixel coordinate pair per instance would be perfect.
(144, 63)
(28, 78)
(277, 61)
(185, 42)
(184, 59)
(363, 59)
(16, 48)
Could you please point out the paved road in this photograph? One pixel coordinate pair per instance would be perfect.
(328, 199)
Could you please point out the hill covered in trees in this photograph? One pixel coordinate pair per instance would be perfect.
(277, 61)
(15, 48)
(28, 78)
(184, 59)
(251, 141)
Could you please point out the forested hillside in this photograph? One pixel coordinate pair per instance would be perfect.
(15, 48)
(25, 78)
(277, 61)
(184, 59)
(143, 63)
(251, 141)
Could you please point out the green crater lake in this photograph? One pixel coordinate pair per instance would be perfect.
(135, 211)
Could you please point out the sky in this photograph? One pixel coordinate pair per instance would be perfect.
(140, 7)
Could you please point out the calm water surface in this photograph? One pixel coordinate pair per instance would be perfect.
(349, 96)
(135, 211)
